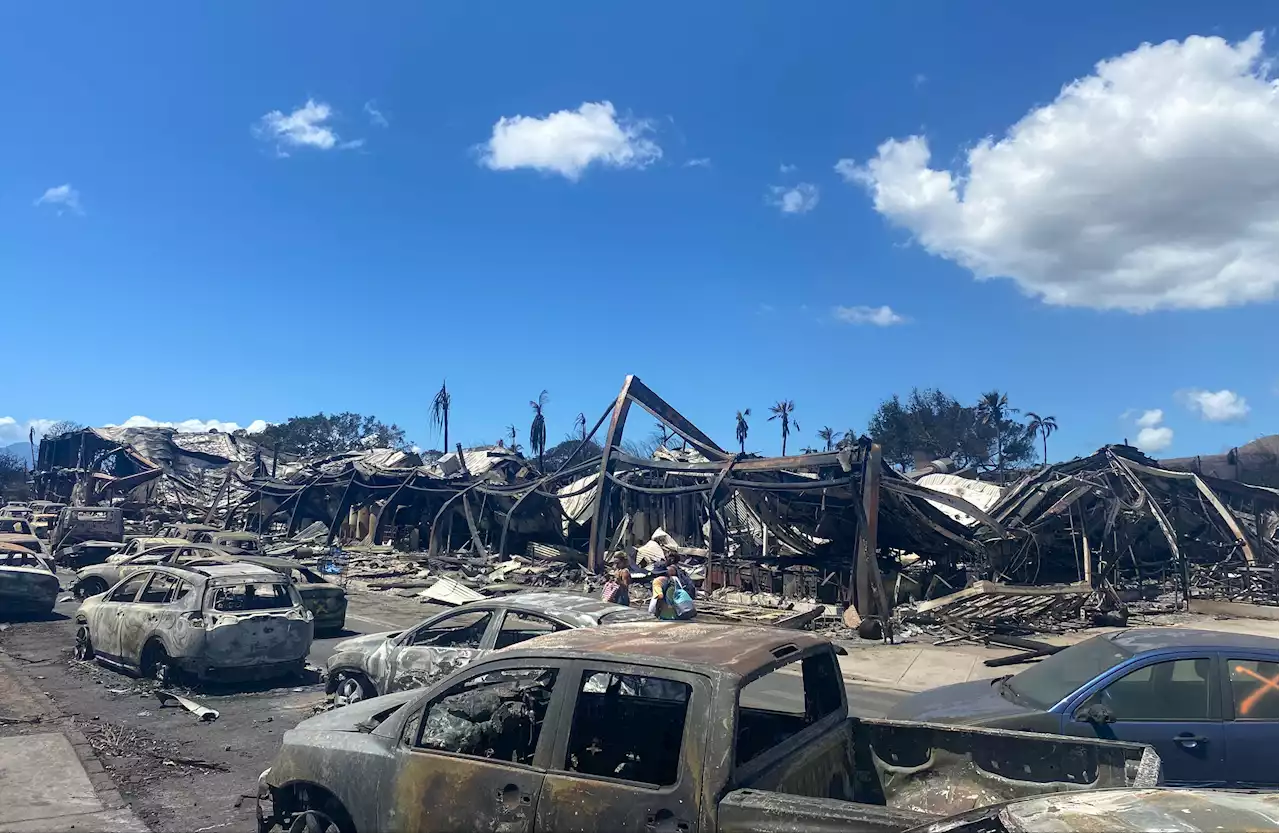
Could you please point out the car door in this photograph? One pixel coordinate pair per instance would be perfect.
(436, 648)
(1250, 689)
(631, 759)
(108, 617)
(474, 758)
(1170, 702)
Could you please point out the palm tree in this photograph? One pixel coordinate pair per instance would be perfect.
(538, 430)
(741, 430)
(1044, 426)
(782, 410)
(994, 410)
(440, 412)
(828, 435)
(580, 425)
(511, 432)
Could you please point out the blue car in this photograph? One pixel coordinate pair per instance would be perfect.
(1204, 700)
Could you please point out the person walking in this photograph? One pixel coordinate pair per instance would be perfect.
(618, 588)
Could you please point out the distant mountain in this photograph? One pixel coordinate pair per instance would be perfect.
(20, 450)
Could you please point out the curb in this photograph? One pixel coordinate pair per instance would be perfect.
(52, 716)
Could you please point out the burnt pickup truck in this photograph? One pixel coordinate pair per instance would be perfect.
(654, 727)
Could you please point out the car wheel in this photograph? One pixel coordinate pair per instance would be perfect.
(84, 644)
(351, 689)
(90, 587)
(157, 665)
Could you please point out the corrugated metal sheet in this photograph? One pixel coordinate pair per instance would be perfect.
(980, 494)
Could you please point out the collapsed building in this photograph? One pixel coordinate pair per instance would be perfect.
(838, 528)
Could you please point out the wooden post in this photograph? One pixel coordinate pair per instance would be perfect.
(868, 570)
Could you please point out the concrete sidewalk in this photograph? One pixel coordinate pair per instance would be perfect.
(50, 778)
(919, 664)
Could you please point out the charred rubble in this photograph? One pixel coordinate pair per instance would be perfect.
(829, 537)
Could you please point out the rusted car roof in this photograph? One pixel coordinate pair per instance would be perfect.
(733, 649)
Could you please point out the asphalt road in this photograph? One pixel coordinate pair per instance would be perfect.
(183, 775)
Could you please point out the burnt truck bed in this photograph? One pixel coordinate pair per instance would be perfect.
(880, 775)
(661, 727)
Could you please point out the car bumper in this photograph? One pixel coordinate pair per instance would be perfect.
(241, 673)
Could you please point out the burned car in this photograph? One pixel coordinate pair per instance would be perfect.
(326, 600)
(137, 546)
(16, 510)
(243, 542)
(76, 524)
(661, 726)
(214, 622)
(27, 581)
(96, 578)
(186, 532)
(18, 531)
(44, 517)
(382, 663)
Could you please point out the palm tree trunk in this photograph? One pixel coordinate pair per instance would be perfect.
(446, 431)
(1046, 449)
(742, 446)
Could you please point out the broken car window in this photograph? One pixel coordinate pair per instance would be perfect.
(517, 627)
(237, 598)
(158, 589)
(780, 704)
(126, 591)
(14, 526)
(496, 715)
(461, 630)
(628, 727)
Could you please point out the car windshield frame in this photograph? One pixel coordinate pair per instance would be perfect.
(1055, 678)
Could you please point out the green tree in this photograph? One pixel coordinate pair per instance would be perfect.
(1013, 443)
(440, 406)
(782, 411)
(562, 454)
(1044, 426)
(538, 429)
(931, 424)
(323, 434)
(740, 431)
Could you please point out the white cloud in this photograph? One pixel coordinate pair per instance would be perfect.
(1151, 184)
(12, 431)
(1153, 437)
(919, 80)
(376, 117)
(1216, 406)
(62, 197)
(568, 141)
(700, 162)
(784, 168)
(798, 199)
(1155, 440)
(882, 316)
(190, 426)
(305, 127)
(1150, 419)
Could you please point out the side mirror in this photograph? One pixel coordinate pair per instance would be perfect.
(1096, 714)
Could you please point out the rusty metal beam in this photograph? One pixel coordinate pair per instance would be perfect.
(601, 516)
(639, 392)
(868, 570)
(1203, 488)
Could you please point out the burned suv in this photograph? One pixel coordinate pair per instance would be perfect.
(212, 622)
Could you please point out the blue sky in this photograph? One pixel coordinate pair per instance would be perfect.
(223, 251)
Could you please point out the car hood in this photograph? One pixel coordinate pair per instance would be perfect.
(365, 644)
(971, 704)
(349, 718)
